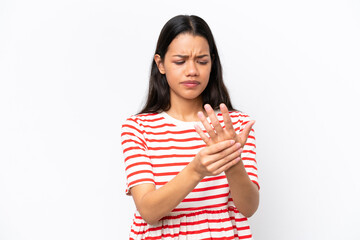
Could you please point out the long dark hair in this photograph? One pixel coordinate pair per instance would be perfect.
(158, 98)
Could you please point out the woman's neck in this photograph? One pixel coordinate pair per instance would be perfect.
(186, 110)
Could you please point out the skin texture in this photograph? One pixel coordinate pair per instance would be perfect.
(187, 66)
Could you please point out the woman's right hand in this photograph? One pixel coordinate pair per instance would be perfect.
(217, 158)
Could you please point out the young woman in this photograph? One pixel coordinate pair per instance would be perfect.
(190, 169)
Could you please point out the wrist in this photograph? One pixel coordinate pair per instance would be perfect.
(193, 172)
(238, 169)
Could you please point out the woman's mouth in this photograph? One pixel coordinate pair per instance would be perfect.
(190, 84)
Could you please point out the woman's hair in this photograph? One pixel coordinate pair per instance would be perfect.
(158, 98)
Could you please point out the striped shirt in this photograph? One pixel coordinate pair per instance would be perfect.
(156, 147)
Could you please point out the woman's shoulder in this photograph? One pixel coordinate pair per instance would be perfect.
(239, 119)
(142, 118)
(239, 115)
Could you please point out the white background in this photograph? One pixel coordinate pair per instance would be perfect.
(71, 71)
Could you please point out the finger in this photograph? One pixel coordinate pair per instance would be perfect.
(226, 116)
(216, 165)
(207, 125)
(214, 121)
(202, 135)
(228, 153)
(220, 158)
(218, 147)
(245, 132)
(226, 166)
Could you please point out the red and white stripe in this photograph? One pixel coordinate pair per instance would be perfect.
(156, 147)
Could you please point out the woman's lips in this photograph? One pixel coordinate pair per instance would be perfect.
(190, 84)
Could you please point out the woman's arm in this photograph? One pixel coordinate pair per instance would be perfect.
(244, 192)
(153, 204)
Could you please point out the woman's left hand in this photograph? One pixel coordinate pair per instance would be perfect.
(244, 192)
(216, 132)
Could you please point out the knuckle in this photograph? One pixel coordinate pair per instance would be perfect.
(204, 161)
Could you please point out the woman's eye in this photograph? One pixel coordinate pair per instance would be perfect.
(179, 62)
(203, 62)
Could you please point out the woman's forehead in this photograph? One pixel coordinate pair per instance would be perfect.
(188, 44)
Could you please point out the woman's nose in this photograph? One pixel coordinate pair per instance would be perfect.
(191, 69)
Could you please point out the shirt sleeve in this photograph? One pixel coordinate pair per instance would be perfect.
(249, 152)
(138, 166)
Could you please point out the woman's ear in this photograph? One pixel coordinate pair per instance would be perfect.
(159, 63)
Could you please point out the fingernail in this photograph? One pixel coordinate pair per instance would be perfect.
(240, 150)
(232, 142)
(238, 145)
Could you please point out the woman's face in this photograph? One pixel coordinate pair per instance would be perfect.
(187, 66)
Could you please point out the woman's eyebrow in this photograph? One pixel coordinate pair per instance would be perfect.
(187, 56)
